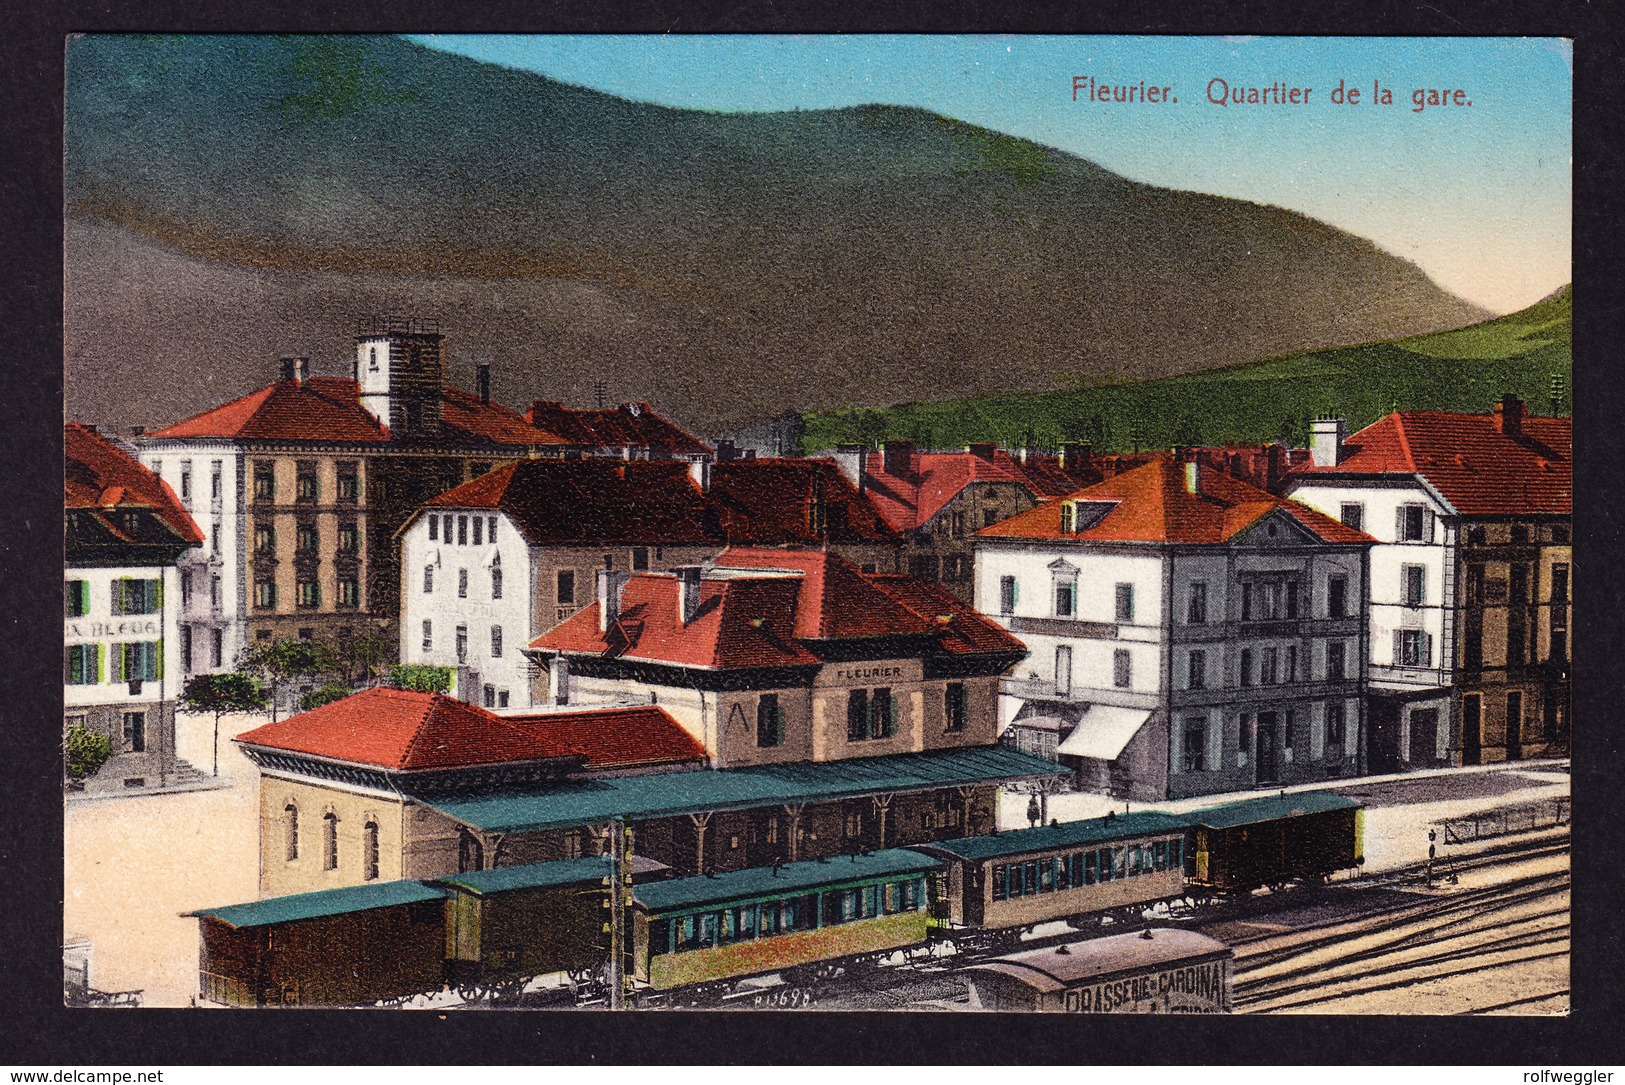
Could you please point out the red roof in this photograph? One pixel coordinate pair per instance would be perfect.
(329, 409)
(909, 498)
(793, 501)
(631, 425)
(658, 502)
(1150, 504)
(1478, 468)
(102, 476)
(558, 501)
(769, 620)
(402, 731)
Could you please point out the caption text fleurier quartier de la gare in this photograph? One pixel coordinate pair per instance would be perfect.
(1225, 93)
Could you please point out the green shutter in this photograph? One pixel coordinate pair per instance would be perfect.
(158, 594)
(158, 658)
(84, 597)
(101, 667)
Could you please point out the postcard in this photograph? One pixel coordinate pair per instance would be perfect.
(837, 522)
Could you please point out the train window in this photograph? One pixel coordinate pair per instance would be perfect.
(913, 895)
(1046, 875)
(708, 930)
(1090, 866)
(768, 925)
(1032, 876)
(1063, 872)
(1000, 887)
(871, 900)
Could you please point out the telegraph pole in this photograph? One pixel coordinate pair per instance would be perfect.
(619, 884)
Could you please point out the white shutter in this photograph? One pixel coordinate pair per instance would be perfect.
(1399, 647)
(1427, 650)
(1399, 524)
(1427, 531)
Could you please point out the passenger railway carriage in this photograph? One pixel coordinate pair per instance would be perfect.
(1028, 876)
(703, 929)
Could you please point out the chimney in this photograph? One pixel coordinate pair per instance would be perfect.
(290, 368)
(610, 583)
(138, 431)
(1326, 442)
(483, 382)
(1275, 463)
(1075, 457)
(851, 459)
(1509, 415)
(727, 451)
(983, 450)
(688, 593)
(897, 458)
(1192, 476)
(700, 471)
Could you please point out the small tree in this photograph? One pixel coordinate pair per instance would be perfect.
(222, 693)
(285, 660)
(88, 751)
(423, 677)
(326, 695)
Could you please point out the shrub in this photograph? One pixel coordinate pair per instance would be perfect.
(423, 677)
(88, 751)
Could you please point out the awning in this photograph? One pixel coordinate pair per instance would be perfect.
(1104, 731)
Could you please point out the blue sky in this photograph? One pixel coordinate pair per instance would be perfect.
(1478, 196)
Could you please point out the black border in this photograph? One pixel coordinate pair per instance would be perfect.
(35, 1029)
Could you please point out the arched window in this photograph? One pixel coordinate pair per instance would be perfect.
(369, 854)
(428, 579)
(330, 834)
(291, 820)
(496, 579)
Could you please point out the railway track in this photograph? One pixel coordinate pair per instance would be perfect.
(1520, 922)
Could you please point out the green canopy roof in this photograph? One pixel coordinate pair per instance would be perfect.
(761, 883)
(668, 794)
(1270, 808)
(323, 903)
(1066, 835)
(545, 875)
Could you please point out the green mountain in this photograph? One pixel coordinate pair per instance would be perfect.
(1467, 369)
(234, 198)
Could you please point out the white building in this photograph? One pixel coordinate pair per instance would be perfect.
(472, 600)
(121, 627)
(1189, 633)
(1469, 577)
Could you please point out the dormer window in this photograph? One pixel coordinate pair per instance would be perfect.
(1068, 517)
(372, 359)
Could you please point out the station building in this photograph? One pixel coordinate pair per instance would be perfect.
(389, 784)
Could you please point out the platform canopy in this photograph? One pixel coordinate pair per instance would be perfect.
(1104, 731)
(670, 794)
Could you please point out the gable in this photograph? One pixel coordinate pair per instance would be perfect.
(1276, 530)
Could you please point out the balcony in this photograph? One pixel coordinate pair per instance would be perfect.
(1064, 627)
